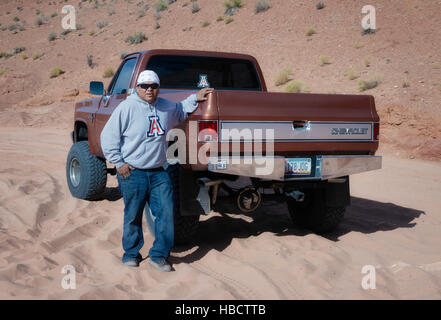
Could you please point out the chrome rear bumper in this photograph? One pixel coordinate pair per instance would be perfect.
(324, 167)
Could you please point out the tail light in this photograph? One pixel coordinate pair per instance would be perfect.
(207, 131)
(376, 131)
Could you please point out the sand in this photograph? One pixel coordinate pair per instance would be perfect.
(392, 224)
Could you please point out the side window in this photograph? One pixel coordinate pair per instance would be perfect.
(121, 82)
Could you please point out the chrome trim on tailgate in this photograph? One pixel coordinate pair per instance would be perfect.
(312, 131)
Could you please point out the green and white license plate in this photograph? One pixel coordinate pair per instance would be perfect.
(298, 166)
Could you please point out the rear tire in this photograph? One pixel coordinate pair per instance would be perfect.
(86, 173)
(313, 213)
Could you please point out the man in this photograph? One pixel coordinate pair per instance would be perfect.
(134, 139)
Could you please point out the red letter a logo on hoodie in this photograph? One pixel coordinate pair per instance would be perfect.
(155, 127)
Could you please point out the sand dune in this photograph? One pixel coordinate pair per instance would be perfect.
(392, 224)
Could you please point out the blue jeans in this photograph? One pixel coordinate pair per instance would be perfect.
(152, 187)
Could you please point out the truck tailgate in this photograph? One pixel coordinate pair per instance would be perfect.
(313, 123)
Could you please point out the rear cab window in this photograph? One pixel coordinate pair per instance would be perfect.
(194, 72)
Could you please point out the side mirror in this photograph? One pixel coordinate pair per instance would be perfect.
(96, 87)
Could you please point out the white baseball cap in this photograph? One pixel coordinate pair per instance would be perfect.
(148, 76)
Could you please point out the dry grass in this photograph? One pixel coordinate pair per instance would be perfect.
(55, 72)
(405, 83)
(136, 37)
(283, 77)
(219, 18)
(228, 20)
(310, 32)
(352, 74)
(364, 85)
(205, 24)
(358, 45)
(366, 62)
(324, 60)
(108, 72)
(261, 6)
(295, 86)
(37, 56)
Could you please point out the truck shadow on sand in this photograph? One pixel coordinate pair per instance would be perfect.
(218, 231)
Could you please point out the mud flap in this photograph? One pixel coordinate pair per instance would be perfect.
(195, 199)
(338, 193)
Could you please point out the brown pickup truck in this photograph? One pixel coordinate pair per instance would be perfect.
(301, 147)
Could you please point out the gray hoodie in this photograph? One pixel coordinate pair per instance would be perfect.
(136, 131)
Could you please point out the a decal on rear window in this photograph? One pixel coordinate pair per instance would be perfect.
(203, 82)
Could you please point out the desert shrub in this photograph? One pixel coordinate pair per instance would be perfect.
(18, 50)
(53, 15)
(141, 13)
(310, 32)
(352, 74)
(157, 26)
(91, 32)
(319, 5)
(2, 71)
(195, 8)
(13, 27)
(294, 86)
(102, 24)
(136, 37)
(205, 24)
(233, 4)
(5, 55)
(40, 20)
(261, 6)
(283, 77)
(405, 83)
(90, 61)
(52, 36)
(366, 62)
(358, 45)
(228, 20)
(161, 6)
(364, 85)
(55, 72)
(24, 56)
(16, 19)
(37, 56)
(108, 72)
(324, 60)
(219, 18)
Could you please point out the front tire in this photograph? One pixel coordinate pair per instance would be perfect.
(86, 174)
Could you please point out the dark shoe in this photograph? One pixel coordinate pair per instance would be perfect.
(131, 263)
(161, 265)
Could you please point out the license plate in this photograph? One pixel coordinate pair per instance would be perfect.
(298, 166)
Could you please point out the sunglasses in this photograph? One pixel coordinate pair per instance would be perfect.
(145, 86)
